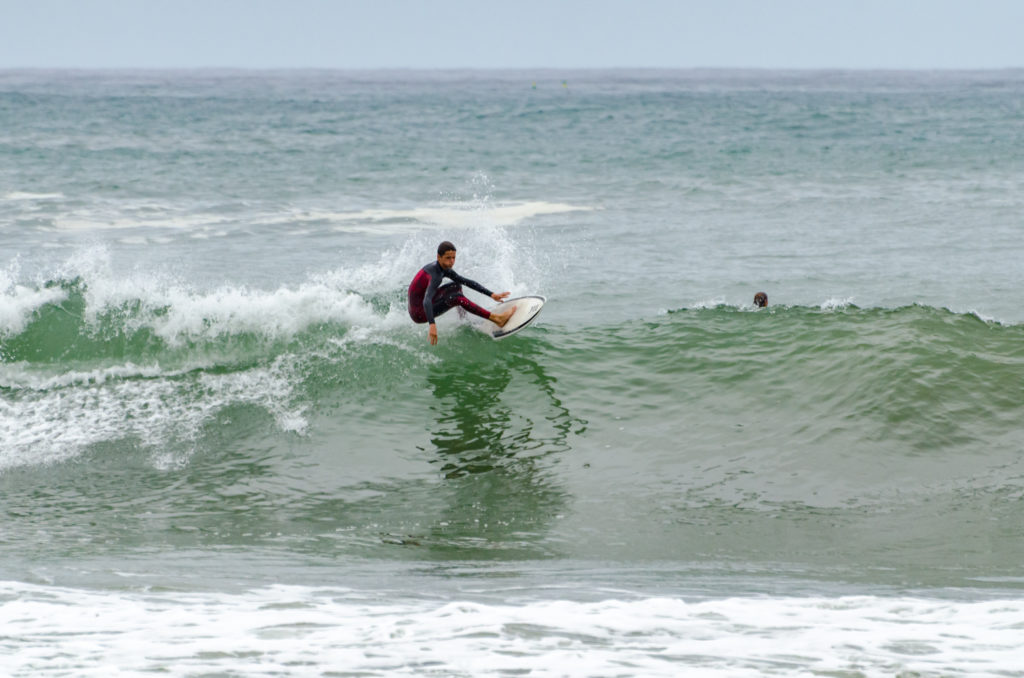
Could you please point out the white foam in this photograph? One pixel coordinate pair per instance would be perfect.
(459, 215)
(17, 302)
(51, 416)
(836, 304)
(25, 195)
(177, 312)
(708, 304)
(447, 215)
(983, 317)
(441, 215)
(21, 375)
(98, 221)
(271, 631)
(171, 218)
(232, 310)
(57, 423)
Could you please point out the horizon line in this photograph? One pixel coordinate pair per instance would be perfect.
(435, 69)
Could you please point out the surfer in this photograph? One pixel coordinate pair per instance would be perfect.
(760, 300)
(428, 298)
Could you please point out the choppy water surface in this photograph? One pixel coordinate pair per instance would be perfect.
(226, 449)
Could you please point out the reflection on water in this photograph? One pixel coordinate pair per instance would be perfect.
(500, 429)
(495, 413)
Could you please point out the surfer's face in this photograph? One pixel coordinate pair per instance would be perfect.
(447, 260)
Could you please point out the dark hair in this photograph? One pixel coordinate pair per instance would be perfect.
(761, 299)
(446, 246)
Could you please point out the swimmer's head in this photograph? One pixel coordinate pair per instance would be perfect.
(760, 300)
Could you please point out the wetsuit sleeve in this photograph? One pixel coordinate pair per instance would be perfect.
(428, 296)
(472, 284)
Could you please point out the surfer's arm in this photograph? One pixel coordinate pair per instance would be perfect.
(472, 284)
(428, 301)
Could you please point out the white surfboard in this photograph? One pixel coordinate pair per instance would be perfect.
(527, 310)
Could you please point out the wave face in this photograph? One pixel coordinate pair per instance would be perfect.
(914, 379)
(861, 424)
(910, 380)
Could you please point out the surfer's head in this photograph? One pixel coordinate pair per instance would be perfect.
(760, 300)
(446, 254)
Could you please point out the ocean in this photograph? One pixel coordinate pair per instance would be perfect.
(226, 450)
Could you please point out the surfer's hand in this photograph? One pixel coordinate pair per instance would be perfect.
(433, 334)
(498, 297)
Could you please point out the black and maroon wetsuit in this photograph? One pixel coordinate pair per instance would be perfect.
(428, 298)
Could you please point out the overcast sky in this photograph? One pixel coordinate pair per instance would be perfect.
(512, 33)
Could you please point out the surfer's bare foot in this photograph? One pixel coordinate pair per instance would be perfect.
(500, 319)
